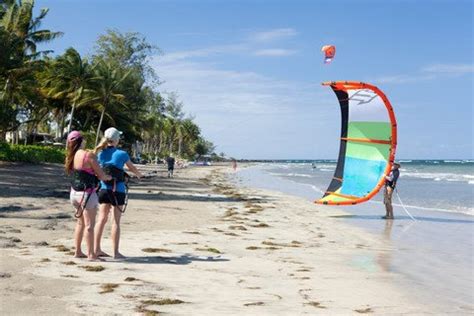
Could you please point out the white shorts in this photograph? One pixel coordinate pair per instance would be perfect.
(79, 197)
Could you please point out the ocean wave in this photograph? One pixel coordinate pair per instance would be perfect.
(327, 170)
(456, 210)
(302, 175)
(451, 177)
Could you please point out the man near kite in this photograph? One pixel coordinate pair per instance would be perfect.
(390, 183)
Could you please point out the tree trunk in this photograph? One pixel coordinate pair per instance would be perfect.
(70, 119)
(98, 128)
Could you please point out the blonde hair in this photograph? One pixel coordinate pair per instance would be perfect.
(104, 142)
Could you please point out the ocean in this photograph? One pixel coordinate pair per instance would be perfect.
(433, 255)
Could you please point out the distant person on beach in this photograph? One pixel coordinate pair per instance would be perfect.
(112, 193)
(390, 183)
(170, 161)
(83, 166)
(234, 164)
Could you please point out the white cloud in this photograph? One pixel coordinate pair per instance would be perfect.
(274, 52)
(429, 73)
(273, 35)
(257, 106)
(457, 69)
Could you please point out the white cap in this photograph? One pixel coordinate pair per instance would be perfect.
(112, 133)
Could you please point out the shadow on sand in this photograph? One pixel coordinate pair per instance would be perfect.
(183, 259)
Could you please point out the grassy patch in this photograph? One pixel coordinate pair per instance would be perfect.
(230, 213)
(231, 234)
(270, 243)
(93, 268)
(108, 287)
(237, 227)
(261, 225)
(165, 301)
(254, 304)
(315, 304)
(61, 248)
(209, 249)
(252, 248)
(155, 250)
(69, 263)
(131, 279)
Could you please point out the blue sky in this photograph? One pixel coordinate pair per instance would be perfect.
(250, 71)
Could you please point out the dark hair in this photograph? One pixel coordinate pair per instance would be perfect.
(72, 148)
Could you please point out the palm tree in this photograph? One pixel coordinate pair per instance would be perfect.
(17, 18)
(106, 89)
(68, 77)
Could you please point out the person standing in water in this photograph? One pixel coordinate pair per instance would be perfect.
(170, 161)
(83, 166)
(390, 183)
(112, 193)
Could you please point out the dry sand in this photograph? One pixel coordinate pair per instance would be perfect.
(195, 245)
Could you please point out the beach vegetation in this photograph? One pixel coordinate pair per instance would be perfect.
(69, 263)
(165, 301)
(150, 250)
(52, 93)
(108, 287)
(31, 153)
(93, 268)
(209, 249)
(130, 279)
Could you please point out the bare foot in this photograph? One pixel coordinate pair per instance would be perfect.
(119, 256)
(102, 254)
(95, 259)
(80, 254)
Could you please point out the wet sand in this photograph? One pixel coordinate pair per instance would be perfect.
(195, 245)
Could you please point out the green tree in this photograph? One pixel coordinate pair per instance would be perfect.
(68, 77)
(106, 89)
(17, 18)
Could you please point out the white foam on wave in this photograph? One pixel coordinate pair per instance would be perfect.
(302, 175)
(326, 170)
(437, 176)
(465, 211)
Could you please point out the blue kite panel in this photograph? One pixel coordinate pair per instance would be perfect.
(361, 176)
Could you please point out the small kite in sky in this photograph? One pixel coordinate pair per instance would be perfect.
(329, 53)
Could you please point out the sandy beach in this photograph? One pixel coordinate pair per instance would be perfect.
(195, 245)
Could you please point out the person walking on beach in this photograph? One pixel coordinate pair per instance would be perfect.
(112, 193)
(234, 164)
(83, 165)
(390, 183)
(170, 161)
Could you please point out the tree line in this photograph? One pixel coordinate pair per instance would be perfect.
(113, 86)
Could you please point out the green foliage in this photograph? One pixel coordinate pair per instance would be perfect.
(31, 153)
(116, 87)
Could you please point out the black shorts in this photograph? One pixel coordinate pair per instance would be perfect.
(107, 197)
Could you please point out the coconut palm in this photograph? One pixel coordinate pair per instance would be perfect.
(106, 89)
(68, 77)
(17, 18)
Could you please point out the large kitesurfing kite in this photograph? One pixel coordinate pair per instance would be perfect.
(368, 142)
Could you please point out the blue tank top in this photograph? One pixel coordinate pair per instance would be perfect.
(117, 158)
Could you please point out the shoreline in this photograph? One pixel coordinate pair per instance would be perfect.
(194, 242)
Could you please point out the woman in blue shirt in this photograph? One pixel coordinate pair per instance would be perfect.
(112, 193)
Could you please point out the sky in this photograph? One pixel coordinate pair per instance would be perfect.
(250, 72)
